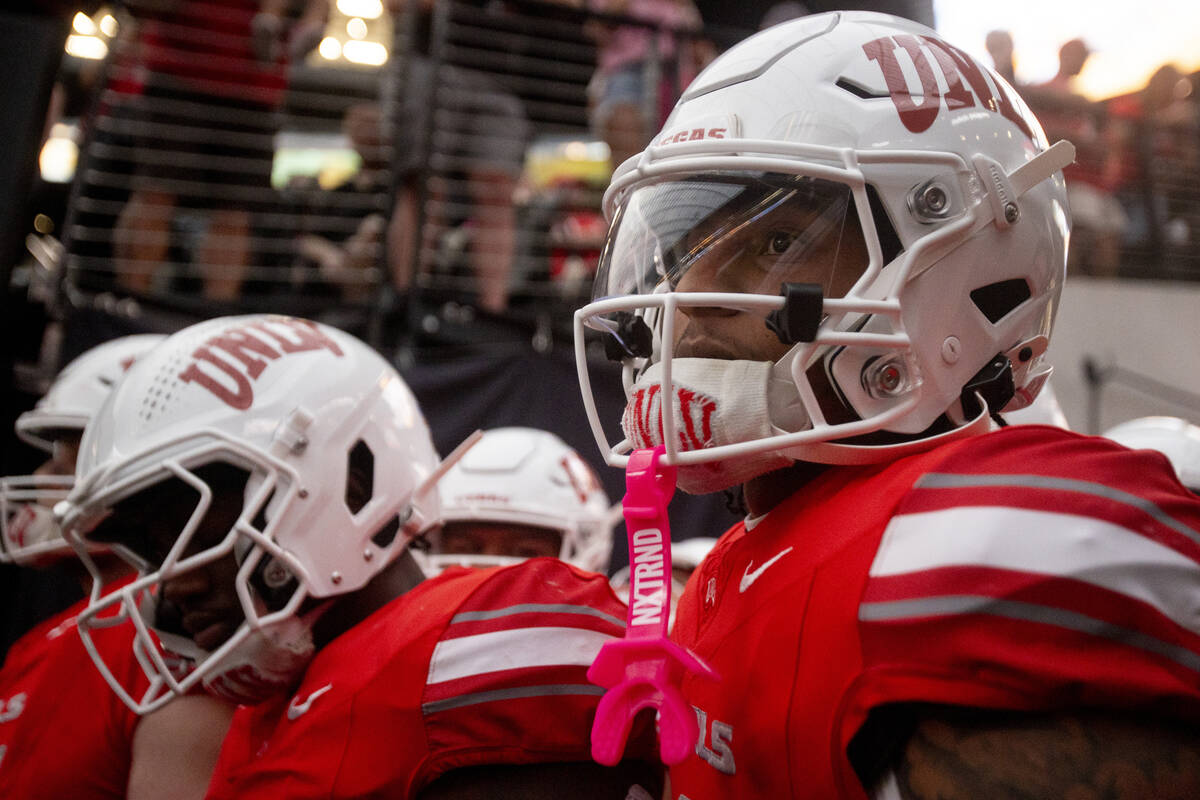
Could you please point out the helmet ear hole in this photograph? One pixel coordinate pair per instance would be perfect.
(997, 300)
(386, 534)
(360, 476)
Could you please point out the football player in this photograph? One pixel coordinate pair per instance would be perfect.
(62, 733)
(266, 475)
(1175, 438)
(839, 259)
(521, 493)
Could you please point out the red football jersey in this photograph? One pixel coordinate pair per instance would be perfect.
(63, 731)
(1028, 569)
(471, 667)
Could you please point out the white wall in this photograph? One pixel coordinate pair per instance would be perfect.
(1149, 327)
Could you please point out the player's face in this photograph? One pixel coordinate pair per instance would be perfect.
(759, 259)
(499, 539)
(200, 603)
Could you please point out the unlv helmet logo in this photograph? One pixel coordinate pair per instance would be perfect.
(248, 345)
(579, 475)
(955, 67)
(643, 417)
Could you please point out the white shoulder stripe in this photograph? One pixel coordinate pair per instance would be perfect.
(941, 480)
(513, 649)
(1045, 543)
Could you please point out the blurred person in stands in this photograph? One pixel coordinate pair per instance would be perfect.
(62, 733)
(782, 12)
(478, 141)
(629, 56)
(522, 493)
(1160, 128)
(207, 78)
(1174, 437)
(999, 44)
(267, 475)
(342, 233)
(1099, 221)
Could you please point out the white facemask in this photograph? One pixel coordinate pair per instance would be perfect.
(716, 402)
(268, 662)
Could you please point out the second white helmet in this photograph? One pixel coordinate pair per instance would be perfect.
(28, 532)
(326, 444)
(528, 477)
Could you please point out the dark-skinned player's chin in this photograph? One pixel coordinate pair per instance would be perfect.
(266, 475)
(826, 279)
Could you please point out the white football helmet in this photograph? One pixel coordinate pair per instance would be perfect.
(337, 466)
(526, 476)
(1175, 438)
(878, 204)
(29, 533)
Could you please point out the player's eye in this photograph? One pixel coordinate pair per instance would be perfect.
(778, 242)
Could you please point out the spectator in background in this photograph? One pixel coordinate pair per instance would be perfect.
(347, 258)
(999, 44)
(1159, 127)
(620, 93)
(478, 141)
(1099, 220)
(782, 12)
(208, 77)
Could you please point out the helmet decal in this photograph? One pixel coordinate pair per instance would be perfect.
(244, 343)
(694, 135)
(580, 476)
(955, 65)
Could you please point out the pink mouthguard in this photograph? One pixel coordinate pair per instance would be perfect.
(645, 669)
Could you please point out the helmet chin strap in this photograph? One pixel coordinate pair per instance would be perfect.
(858, 455)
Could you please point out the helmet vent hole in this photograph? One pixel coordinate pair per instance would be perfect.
(889, 241)
(360, 476)
(858, 90)
(387, 534)
(996, 300)
(260, 517)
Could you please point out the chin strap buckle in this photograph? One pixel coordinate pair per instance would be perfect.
(803, 308)
(993, 383)
(630, 337)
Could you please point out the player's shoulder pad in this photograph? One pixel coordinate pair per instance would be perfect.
(543, 591)
(1038, 525)
(515, 655)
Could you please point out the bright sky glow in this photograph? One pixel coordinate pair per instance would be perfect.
(1128, 40)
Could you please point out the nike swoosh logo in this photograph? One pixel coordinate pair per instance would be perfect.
(749, 577)
(297, 710)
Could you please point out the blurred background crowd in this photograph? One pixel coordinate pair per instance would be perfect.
(427, 174)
